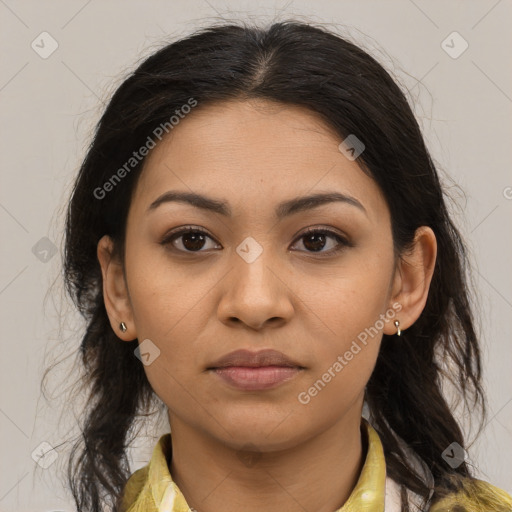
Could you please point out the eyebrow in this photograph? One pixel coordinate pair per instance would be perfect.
(284, 209)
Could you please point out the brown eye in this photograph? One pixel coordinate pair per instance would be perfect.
(316, 240)
(188, 239)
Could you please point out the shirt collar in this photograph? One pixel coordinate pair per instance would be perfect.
(151, 488)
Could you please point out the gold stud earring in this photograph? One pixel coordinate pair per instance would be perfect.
(397, 325)
(123, 327)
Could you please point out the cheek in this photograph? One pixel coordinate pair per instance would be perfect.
(342, 369)
(164, 299)
(353, 313)
(350, 299)
(167, 307)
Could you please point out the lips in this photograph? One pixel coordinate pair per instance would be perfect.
(248, 359)
(255, 371)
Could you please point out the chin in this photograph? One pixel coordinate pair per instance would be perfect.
(267, 429)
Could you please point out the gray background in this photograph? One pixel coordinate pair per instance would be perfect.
(50, 105)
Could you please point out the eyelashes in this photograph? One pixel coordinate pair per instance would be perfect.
(188, 230)
(196, 239)
(341, 241)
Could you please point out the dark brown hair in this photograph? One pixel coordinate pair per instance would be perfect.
(300, 64)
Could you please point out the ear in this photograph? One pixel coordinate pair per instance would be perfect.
(412, 279)
(115, 291)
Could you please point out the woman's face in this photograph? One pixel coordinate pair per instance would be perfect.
(256, 280)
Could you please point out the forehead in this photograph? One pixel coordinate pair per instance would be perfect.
(252, 154)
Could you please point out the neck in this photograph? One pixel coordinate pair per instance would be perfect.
(317, 474)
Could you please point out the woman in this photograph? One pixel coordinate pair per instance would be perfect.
(258, 237)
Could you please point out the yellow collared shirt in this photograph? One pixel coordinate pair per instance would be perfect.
(151, 488)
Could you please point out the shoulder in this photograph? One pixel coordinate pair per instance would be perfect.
(133, 487)
(474, 496)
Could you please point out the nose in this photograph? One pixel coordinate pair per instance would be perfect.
(256, 294)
